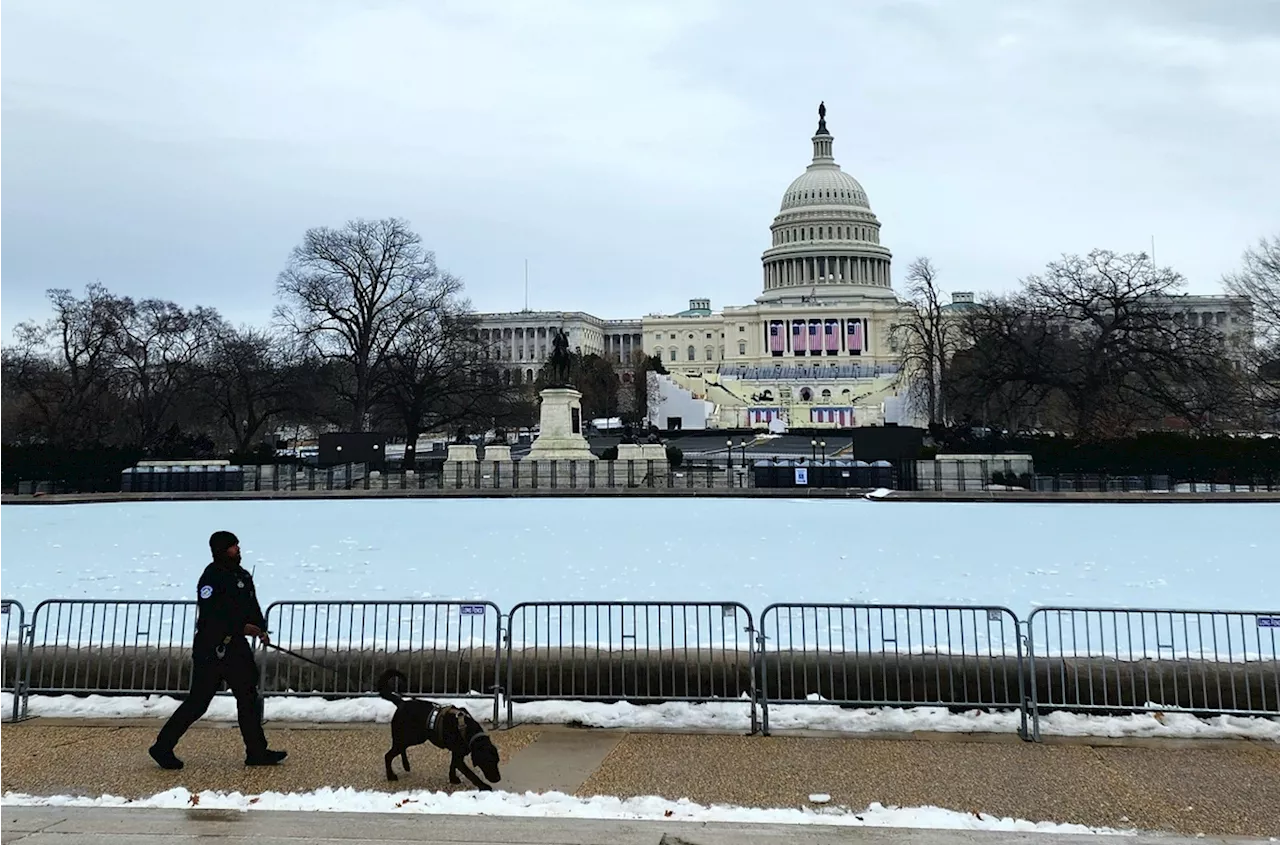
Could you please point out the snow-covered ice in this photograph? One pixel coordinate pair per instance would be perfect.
(558, 805)
(755, 551)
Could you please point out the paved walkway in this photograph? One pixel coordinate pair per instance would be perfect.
(1215, 788)
(92, 826)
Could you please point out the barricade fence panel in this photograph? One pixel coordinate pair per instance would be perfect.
(104, 645)
(446, 649)
(15, 623)
(640, 652)
(1119, 660)
(865, 655)
(1083, 660)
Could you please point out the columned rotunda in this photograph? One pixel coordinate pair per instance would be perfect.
(825, 234)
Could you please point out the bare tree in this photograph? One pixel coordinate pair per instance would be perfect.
(437, 373)
(251, 378)
(927, 338)
(350, 292)
(158, 346)
(1258, 279)
(62, 369)
(1093, 344)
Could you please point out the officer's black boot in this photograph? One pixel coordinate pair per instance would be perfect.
(164, 757)
(265, 758)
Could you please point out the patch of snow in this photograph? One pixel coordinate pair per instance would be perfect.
(715, 716)
(557, 805)
(879, 493)
(820, 798)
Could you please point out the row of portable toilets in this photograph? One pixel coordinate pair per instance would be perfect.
(182, 479)
(828, 473)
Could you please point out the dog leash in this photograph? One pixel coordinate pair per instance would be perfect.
(301, 657)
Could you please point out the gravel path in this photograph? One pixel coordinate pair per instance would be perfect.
(44, 758)
(1211, 789)
(1216, 789)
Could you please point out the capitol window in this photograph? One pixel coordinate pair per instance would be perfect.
(692, 353)
(742, 347)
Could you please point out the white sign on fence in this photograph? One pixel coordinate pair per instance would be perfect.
(802, 476)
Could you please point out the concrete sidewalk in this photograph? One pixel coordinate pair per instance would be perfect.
(94, 826)
(1214, 788)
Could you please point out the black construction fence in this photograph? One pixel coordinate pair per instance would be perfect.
(958, 658)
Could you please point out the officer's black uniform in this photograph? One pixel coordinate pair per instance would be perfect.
(227, 602)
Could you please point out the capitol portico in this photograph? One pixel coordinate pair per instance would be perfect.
(812, 350)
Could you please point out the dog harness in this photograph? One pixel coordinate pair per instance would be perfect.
(435, 724)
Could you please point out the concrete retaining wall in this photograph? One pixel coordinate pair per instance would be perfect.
(721, 674)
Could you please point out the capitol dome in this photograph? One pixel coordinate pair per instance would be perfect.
(825, 238)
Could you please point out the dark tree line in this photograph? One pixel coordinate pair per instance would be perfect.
(1094, 347)
(369, 334)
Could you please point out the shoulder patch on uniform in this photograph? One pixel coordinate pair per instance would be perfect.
(206, 591)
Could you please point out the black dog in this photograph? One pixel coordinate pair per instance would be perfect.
(417, 721)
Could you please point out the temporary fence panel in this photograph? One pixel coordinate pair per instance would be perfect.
(639, 652)
(1121, 660)
(105, 645)
(865, 655)
(446, 649)
(15, 630)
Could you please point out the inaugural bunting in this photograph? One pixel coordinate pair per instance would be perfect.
(777, 341)
(854, 340)
(842, 417)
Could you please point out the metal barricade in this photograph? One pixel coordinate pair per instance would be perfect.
(446, 649)
(866, 655)
(639, 652)
(110, 646)
(15, 639)
(1113, 661)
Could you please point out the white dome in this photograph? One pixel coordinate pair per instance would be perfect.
(824, 184)
(825, 240)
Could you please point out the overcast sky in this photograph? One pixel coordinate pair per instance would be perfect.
(634, 152)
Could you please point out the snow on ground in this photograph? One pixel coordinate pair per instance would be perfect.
(558, 805)
(731, 716)
(755, 551)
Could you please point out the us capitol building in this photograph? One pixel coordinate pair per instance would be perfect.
(812, 351)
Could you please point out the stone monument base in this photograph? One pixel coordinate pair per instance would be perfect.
(560, 424)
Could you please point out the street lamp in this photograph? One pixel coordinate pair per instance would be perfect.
(823, 444)
(728, 447)
(744, 451)
(813, 450)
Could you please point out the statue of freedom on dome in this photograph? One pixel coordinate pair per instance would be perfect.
(560, 361)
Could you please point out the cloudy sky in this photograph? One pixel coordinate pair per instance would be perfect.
(633, 152)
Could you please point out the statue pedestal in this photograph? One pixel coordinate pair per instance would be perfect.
(642, 452)
(495, 452)
(560, 435)
(461, 452)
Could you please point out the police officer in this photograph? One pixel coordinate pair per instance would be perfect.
(228, 612)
